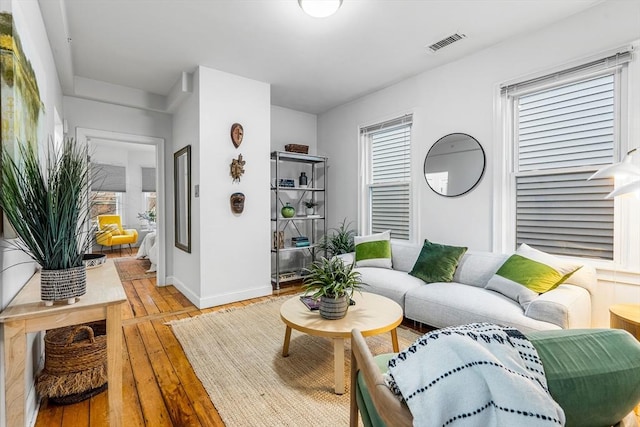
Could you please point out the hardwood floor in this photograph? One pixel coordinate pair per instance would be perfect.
(160, 387)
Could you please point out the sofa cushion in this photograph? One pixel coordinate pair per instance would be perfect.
(373, 250)
(476, 268)
(114, 229)
(563, 266)
(404, 255)
(437, 262)
(450, 304)
(388, 283)
(594, 385)
(530, 272)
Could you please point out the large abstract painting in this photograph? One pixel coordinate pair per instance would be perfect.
(20, 104)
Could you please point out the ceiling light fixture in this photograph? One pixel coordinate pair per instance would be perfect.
(320, 8)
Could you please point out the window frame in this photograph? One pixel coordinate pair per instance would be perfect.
(625, 251)
(365, 171)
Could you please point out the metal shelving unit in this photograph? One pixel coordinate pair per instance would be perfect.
(315, 228)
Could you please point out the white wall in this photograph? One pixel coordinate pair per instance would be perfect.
(230, 251)
(186, 131)
(293, 127)
(461, 97)
(13, 275)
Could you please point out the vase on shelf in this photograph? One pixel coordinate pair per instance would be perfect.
(310, 211)
(288, 211)
(302, 180)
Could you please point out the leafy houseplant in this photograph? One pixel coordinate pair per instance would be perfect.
(46, 203)
(333, 282)
(340, 241)
(309, 205)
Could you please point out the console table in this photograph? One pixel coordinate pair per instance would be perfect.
(27, 313)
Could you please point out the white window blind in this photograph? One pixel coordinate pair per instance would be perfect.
(108, 178)
(389, 184)
(563, 135)
(148, 180)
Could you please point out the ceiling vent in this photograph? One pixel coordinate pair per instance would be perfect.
(446, 42)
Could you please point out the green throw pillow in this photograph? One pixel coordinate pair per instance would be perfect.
(528, 273)
(437, 262)
(373, 250)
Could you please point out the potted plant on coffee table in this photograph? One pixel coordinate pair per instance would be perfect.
(333, 282)
(45, 201)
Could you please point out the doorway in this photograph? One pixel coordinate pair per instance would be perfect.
(138, 154)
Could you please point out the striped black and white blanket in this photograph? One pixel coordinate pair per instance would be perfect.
(479, 374)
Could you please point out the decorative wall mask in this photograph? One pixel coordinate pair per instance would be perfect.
(237, 133)
(237, 203)
(237, 168)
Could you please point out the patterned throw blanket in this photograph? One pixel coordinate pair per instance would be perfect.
(479, 374)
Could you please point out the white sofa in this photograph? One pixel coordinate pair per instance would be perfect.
(465, 300)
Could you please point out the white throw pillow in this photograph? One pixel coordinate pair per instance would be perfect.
(373, 250)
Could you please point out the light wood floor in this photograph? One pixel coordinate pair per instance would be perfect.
(160, 387)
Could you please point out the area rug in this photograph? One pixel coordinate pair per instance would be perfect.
(237, 355)
(130, 268)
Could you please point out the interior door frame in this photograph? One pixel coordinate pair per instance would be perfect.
(84, 135)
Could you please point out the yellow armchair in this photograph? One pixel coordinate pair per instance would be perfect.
(111, 233)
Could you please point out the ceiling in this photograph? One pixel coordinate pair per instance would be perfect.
(312, 64)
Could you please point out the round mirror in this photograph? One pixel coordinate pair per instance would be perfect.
(454, 164)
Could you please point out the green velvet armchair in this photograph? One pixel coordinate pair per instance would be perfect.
(593, 374)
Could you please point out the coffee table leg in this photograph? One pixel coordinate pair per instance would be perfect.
(338, 364)
(394, 340)
(287, 339)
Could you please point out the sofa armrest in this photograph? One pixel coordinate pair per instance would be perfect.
(568, 306)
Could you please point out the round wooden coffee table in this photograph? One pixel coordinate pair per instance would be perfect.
(372, 315)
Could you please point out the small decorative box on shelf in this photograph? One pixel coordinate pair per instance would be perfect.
(297, 148)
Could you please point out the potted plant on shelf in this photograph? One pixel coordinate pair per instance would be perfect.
(45, 201)
(340, 241)
(309, 206)
(332, 282)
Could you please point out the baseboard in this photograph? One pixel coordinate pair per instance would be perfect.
(215, 300)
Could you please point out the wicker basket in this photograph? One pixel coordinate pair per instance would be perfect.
(297, 148)
(75, 366)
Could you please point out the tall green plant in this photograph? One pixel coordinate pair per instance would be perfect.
(340, 241)
(46, 202)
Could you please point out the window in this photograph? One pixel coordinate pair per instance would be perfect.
(106, 203)
(386, 163)
(108, 185)
(564, 127)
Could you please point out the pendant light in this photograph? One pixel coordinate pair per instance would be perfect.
(625, 168)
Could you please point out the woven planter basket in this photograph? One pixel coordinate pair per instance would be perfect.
(75, 366)
(334, 308)
(64, 284)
